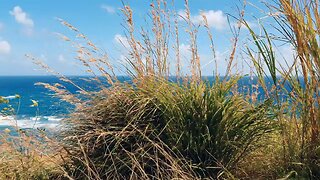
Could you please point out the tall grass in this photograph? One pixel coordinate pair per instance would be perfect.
(154, 128)
(25, 156)
(25, 153)
(210, 127)
(298, 25)
(118, 138)
(158, 128)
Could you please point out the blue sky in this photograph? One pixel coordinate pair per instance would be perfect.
(29, 27)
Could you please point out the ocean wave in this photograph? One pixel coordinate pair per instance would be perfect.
(10, 97)
(48, 122)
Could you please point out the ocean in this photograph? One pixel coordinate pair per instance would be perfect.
(51, 110)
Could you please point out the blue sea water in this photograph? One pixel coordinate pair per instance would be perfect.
(50, 109)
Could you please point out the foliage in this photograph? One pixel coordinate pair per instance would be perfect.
(116, 137)
(208, 126)
(26, 157)
(153, 128)
(298, 25)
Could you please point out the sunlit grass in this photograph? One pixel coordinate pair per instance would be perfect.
(156, 128)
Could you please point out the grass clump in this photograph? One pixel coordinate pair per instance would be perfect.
(298, 25)
(211, 127)
(118, 137)
(24, 156)
(153, 128)
(191, 131)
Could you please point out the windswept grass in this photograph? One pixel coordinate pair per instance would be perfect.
(118, 137)
(188, 132)
(298, 24)
(158, 128)
(25, 156)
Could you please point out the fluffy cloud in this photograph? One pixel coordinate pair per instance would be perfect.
(216, 19)
(5, 47)
(121, 40)
(185, 50)
(285, 56)
(108, 9)
(22, 17)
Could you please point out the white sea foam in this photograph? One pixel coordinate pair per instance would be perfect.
(9, 97)
(48, 122)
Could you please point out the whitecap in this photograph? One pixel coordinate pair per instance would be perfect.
(48, 122)
(10, 97)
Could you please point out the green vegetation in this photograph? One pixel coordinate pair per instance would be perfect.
(142, 132)
(153, 128)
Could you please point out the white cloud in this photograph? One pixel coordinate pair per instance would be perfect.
(22, 17)
(122, 40)
(216, 19)
(185, 56)
(185, 50)
(5, 47)
(108, 9)
(285, 57)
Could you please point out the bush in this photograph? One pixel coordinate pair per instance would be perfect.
(210, 127)
(164, 130)
(116, 138)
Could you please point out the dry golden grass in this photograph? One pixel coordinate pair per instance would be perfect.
(28, 157)
(155, 129)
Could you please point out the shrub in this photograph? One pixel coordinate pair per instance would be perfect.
(164, 130)
(209, 126)
(116, 138)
